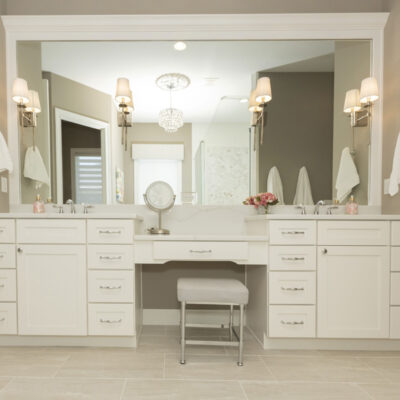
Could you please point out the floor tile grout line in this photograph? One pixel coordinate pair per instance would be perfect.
(359, 385)
(243, 390)
(375, 370)
(268, 368)
(164, 366)
(62, 364)
(123, 389)
(11, 380)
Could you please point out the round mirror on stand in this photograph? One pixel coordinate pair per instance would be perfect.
(159, 197)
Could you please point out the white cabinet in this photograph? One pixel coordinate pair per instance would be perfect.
(8, 319)
(353, 292)
(52, 290)
(293, 232)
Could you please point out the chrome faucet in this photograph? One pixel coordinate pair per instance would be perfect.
(70, 203)
(317, 206)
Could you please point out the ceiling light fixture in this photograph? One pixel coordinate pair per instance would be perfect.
(180, 46)
(171, 119)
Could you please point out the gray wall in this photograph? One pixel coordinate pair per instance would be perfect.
(298, 132)
(391, 104)
(50, 7)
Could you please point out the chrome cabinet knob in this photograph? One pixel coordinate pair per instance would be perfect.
(20, 250)
(324, 251)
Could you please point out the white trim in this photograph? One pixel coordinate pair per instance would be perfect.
(198, 27)
(104, 127)
(158, 151)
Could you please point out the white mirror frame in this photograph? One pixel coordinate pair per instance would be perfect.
(333, 26)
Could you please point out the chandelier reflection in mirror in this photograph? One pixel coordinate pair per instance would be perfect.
(171, 119)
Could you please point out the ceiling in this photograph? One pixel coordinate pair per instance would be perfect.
(215, 68)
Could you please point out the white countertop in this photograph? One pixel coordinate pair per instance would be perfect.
(71, 216)
(334, 217)
(204, 238)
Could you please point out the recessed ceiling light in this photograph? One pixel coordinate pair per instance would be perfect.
(244, 100)
(180, 46)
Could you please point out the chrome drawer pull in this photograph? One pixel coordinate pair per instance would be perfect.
(110, 258)
(292, 322)
(110, 321)
(1, 255)
(2, 286)
(1, 230)
(111, 287)
(293, 258)
(292, 289)
(293, 233)
(108, 232)
(201, 251)
(2, 319)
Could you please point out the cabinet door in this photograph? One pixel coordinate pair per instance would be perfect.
(353, 292)
(52, 290)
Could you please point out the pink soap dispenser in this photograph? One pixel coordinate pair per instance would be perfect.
(38, 205)
(352, 206)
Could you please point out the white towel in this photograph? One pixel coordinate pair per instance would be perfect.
(5, 156)
(34, 167)
(395, 175)
(347, 177)
(303, 194)
(274, 184)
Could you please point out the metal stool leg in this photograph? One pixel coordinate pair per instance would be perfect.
(183, 339)
(231, 323)
(240, 362)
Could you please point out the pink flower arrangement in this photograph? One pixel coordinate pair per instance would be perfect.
(261, 200)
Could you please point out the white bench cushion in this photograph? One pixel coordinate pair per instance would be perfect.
(214, 291)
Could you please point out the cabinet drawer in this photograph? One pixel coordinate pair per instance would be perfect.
(292, 258)
(110, 256)
(395, 233)
(110, 231)
(395, 289)
(395, 322)
(395, 259)
(51, 231)
(8, 319)
(200, 250)
(353, 233)
(292, 321)
(293, 232)
(110, 286)
(7, 231)
(111, 320)
(292, 287)
(8, 285)
(7, 256)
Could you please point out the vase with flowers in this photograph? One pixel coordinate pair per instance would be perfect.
(262, 201)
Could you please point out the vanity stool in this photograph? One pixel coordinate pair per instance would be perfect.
(227, 292)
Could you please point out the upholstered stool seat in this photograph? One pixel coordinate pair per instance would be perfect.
(228, 292)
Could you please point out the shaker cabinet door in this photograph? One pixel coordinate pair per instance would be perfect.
(353, 292)
(52, 290)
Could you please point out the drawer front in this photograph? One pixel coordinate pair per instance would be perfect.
(8, 319)
(395, 259)
(292, 321)
(395, 322)
(292, 258)
(200, 250)
(8, 285)
(7, 256)
(111, 320)
(111, 287)
(51, 231)
(110, 231)
(293, 232)
(395, 233)
(353, 233)
(395, 289)
(292, 287)
(7, 231)
(110, 256)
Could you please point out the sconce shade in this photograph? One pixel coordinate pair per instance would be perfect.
(369, 92)
(20, 92)
(263, 90)
(123, 93)
(33, 104)
(352, 101)
(254, 106)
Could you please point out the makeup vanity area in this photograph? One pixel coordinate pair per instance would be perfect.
(315, 280)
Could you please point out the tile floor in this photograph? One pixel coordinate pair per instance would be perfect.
(152, 372)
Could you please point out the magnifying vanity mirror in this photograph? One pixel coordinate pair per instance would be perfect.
(119, 115)
(160, 198)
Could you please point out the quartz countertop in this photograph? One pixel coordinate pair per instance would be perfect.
(333, 217)
(53, 215)
(202, 237)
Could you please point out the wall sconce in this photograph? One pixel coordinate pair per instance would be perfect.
(358, 103)
(123, 97)
(258, 100)
(28, 104)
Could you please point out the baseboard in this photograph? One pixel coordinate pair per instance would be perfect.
(172, 317)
